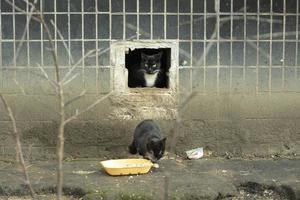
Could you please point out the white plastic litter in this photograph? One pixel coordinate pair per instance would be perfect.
(195, 153)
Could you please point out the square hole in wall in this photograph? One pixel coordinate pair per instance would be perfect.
(148, 67)
(135, 61)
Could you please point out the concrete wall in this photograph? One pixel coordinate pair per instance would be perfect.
(246, 75)
(236, 125)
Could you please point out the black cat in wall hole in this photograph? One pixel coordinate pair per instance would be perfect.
(148, 67)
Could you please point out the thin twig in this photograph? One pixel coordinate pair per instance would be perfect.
(88, 108)
(20, 44)
(18, 145)
(274, 35)
(191, 95)
(75, 98)
(46, 76)
(61, 128)
(64, 42)
(254, 46)
(21, 10)
(77, 63)
(19, 86)
(70, 79)
(25, 30)
(225, 19)
(87, 55)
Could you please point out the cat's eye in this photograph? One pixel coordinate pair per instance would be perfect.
(146, 65)
(154, 65)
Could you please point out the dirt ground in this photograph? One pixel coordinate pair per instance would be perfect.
(242, 195)
(40, 197)
(175, 179)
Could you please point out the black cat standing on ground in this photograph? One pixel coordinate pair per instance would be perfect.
(147, 141)
(148, 72)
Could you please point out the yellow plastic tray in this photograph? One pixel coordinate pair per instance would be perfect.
(126, 166)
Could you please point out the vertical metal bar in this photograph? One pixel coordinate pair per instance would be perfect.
(297, 39)
(14, 38)
(178, 20)
(138, 20)
(231, 45)
(97, 47)
(283, 44)
(257, 45)
(151, 19)
(124, 21)
(270, 49)
(191, 45)
(245, 38)
(28, 49)
(1, 62)
(204, 48)
(42, 35)
(69, 32)
(27, 34)
(55, 27)
(217, 10)
(165, 19)
(112, 69)
(110, 20)
(83, 41)
(14, 43)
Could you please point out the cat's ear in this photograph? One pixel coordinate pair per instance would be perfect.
(164, 140)
(143, 56)
(159, 55)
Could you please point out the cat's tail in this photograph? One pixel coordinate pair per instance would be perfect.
(132, 148)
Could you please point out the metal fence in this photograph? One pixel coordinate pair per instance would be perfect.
(224, 45)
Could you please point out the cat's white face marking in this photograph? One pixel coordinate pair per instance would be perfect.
(150, 79)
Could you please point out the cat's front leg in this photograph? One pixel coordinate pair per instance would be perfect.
(132, 148)
(150, 156)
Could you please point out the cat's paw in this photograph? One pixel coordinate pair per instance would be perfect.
(155, 165)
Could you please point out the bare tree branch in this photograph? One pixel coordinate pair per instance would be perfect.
(88, 108)
(278, 34)
(21, 10)
(29, 15)
(18, 145)
(75, 98)
(64, 42)
(19, 86)
(60, 136)
(89, 53)
(191, 95)
(254, 46)
(228, 18)
(70, 79)
(53, 83)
